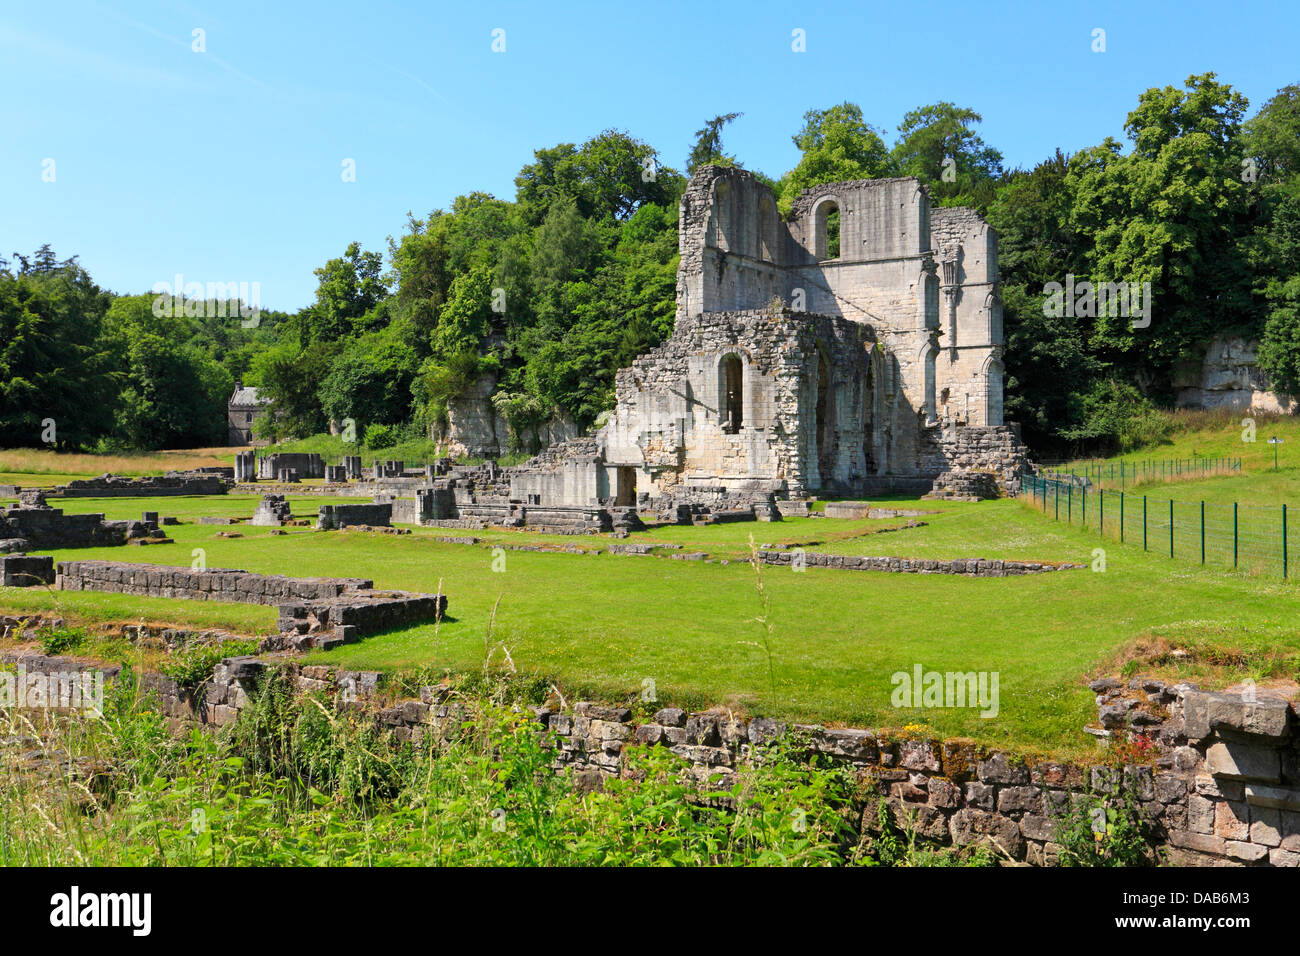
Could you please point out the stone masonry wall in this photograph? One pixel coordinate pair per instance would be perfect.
(1229, 796)
(321, 611)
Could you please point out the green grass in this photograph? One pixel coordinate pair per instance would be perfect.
(1219, 435)
(413, 451)
(189, 508)
(601, 625)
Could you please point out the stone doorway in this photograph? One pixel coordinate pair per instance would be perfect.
(625, 489)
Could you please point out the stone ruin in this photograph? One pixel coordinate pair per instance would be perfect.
(795, 368)
(278, 466)
(272, 512)
(335, 517)
(202, 481)
(313, 612)
(1220, 785)
(32, 525)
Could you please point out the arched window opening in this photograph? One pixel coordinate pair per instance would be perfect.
(733, 391)
(826, 231)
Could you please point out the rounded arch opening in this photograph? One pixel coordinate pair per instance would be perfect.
(826, 229)
(732, 400)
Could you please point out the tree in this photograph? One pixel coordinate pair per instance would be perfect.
(370, 380)
(1172, 213)
(609, 177)
(53, 364)
(708, 145)
(171, 392)
(347, 289)
(836, 144)
(1048, 363)
(466, 318)
(288, 375)
(938, 146)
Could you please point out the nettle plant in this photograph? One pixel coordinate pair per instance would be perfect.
(1105, 828)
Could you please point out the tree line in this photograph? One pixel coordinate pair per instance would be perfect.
(548, 294)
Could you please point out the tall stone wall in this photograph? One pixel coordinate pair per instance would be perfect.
(968, 373)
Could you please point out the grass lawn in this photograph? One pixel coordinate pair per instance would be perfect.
(603, 625)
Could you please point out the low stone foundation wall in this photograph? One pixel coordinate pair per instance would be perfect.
(150, 486)
(1229, 795)
(865, 509)
(975, 567)
(215, 584)
(21, 570)
(333, 517)
(32, 526)
(313, 612)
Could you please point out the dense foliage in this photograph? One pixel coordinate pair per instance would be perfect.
(539, 300)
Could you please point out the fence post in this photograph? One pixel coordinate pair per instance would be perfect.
(1234, 535)
(1058, 501)
(1069, 503)
(1284, 541)
(1121, 516)
(1171, 527)
(1144, 522)
(1083, 514)
(1101, 512)
(1202, 531)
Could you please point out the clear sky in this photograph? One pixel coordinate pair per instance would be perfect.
(226, 165)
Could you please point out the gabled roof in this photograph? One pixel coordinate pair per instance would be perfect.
(246, 397)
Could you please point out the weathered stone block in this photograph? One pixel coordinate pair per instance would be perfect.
(1237, 760)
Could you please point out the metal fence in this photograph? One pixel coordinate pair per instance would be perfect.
(1121, 474)
(1227, 535)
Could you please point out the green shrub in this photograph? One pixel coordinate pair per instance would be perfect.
(1104, 829)
(1115, 415)
(62, 640)
(193, 666)
(379, 436)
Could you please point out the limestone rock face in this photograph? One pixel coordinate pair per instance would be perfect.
(1229, 377)
(474, 428)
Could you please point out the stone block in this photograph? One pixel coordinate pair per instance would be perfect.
(1237, 760)
(1246, 852)
(1000, 769)
(1231, 820)
(1278, 798)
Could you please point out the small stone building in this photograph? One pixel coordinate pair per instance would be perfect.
(244, 407)
(851, 348)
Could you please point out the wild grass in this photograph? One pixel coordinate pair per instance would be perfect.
(33, 462)
(298, 781)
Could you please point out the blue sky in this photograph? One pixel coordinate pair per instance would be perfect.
(226, 165)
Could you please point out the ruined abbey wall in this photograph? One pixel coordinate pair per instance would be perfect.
(797, 365)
